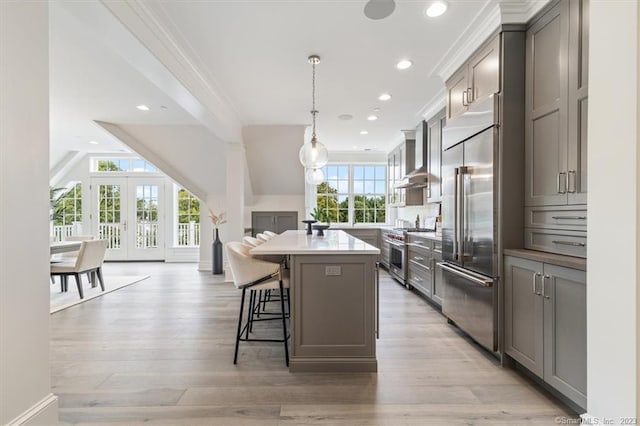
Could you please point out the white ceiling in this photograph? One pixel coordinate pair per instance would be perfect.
(90, 81)
(254, 55)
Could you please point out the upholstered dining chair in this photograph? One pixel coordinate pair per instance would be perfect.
(270, 234)
(89, 259)
(69, 256)
(250, 273)
(263, 237)
(250, 241)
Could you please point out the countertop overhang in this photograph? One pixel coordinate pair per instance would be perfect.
(298, 242)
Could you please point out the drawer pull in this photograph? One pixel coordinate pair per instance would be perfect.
(569, 243)
(418, 258)
(569, 217)
(417, 279)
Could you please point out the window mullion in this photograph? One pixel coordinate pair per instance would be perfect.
(351, 214)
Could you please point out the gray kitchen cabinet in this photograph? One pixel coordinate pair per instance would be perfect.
(422, 255)
(477, 79)
(457, 93)
(556, 106)
(391, 179)
(277, 222)
(523, 313)
(545, 323)
(437, 293)
(484, 75)
(578, 101)
(565, 331)
(434, 157)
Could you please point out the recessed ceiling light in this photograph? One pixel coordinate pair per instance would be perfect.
(163, 107)
(372, 117)
(377, 109)
(364, 132)
(345, 116)
(367, 149)
(93, 142)
(384, 97)
(404, 64)
(437, 8)
(143, 107)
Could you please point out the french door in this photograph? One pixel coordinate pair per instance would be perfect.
(129, 213)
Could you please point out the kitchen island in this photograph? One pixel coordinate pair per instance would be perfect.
(333, 300)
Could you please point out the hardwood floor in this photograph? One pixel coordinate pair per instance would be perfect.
(161, 351)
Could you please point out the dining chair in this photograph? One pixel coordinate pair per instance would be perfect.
(250, 273)
(270, 234)
(250, 241)
(263, 237)
(89, 259)
(69, 256)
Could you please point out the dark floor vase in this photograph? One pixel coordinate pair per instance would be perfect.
(216, 248)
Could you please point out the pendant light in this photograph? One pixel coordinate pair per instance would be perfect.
(313, 155)
(314, 176)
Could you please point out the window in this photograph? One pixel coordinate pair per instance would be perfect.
(353, 194)
(66, 211)
(132, 165)
(188, 219)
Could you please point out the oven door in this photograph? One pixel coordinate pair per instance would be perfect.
(397, 260)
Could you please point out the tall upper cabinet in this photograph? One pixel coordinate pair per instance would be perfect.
(476, 80)
(434, 126)
(556, 106)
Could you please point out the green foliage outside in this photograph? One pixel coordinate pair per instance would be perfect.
(367, 209)
(66, 205)
(188, 207)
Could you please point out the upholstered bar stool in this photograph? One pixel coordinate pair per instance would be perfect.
(263, 237)
(270, 234)
(254, 274)
(250, 241)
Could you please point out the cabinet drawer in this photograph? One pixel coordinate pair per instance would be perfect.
(571, 243)
(437, 249)
(571, 218)
(418, 255)
(420, 244)
(420, 278)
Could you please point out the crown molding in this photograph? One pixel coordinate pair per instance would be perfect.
(435, 104)
(149, 24)
(493, 14)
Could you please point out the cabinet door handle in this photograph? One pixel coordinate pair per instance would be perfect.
(572, 188)
(535, 287)
(561, 183)
(470, 96)
(418, 258)
(464, 97)
(569, 243)
(569, 217)
(544, 287)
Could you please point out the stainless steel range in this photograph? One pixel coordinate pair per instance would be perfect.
(394, 238)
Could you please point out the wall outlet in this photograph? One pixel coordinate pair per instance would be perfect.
(333, 270)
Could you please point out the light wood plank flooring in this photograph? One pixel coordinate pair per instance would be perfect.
(160, 352)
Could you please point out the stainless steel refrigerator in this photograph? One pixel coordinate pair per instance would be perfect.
(468, 271)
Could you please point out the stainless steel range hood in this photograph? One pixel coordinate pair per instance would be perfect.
(418, 177)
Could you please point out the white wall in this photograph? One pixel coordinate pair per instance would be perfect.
(272, 159)
(25, 388)
(612, 265)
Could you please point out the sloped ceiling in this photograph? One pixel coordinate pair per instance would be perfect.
(272, 159)
(190, 155)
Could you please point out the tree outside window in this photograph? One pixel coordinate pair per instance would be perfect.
(353, 191)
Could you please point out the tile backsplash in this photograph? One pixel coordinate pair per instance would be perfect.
(410, 213)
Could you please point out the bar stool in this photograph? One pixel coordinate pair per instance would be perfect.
(255, 274)
(270, 234)
(263, 237)
(250, 241)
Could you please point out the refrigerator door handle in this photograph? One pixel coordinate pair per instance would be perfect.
(456, 207)
(461, 213)
(484, 282)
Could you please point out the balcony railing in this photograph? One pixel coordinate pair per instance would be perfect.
(188, 234)
(146, 234)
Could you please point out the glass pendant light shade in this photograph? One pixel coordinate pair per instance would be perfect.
(314, 155)
(314, 176)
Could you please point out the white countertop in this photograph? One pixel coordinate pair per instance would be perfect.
(298, 242)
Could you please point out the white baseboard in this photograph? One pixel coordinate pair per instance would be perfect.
(45, 412)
